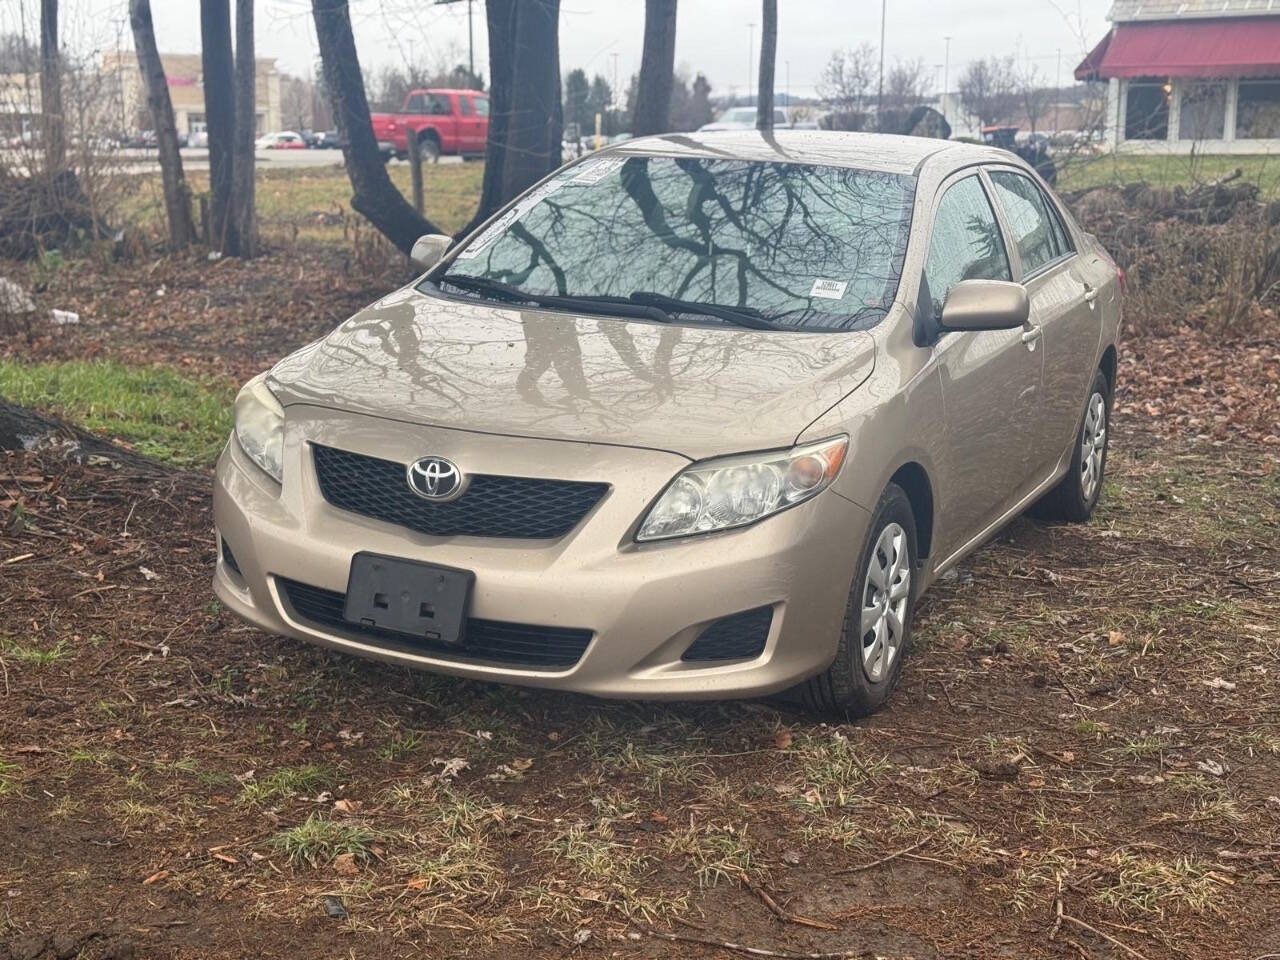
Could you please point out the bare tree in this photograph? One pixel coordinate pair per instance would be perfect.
(220, 117)
(177, 195)
(374, 195)
(988, 89)
(906, 85)
(242, 159)
(846, 80)
(54, 132)
(768, 60)
(1033, 96)
(525, 119)
(657, 69)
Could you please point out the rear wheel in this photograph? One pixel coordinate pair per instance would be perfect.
(876, 633)
(1077, 493)
(428, 148)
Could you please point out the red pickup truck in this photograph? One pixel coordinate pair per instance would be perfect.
(442, 121)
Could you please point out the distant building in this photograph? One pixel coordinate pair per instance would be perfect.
(184, 73)
(19, 103)
(1190, 73)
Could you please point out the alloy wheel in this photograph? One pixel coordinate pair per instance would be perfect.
(885, 596)
(1093, 444)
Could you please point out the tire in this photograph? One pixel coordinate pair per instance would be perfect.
(1077, 493)
(851, 685)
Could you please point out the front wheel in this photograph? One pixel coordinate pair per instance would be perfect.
(1077, 493)
(876, 633)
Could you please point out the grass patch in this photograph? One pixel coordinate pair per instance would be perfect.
(162, 413)
(35, 656)
(399, 747)
(317, 841)
(8, 778)
(1169, 171)
(287, 782)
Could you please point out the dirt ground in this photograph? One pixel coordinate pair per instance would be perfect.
(1083, 759)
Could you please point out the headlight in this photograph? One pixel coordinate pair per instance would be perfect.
(260, 426)
(734, 491)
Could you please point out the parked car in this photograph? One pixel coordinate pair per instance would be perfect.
(742, 118)
(198, 139)
(697, 416)
(444, 122)
(283, 140)
(326, 140)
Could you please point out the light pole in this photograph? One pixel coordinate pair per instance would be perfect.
(880, 87)
(946, 70)
(471, 39)
(751, 49)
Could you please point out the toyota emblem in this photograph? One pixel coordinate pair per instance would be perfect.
(434, 478)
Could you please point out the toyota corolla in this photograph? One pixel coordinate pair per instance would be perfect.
(696, 416)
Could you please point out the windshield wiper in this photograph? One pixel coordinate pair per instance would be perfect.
(742, 316)
(614, 306)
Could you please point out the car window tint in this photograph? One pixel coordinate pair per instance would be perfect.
(464, 106)
(966, 242)
(415, 104)
(438, 105)
(482, 106)
(1035, 230)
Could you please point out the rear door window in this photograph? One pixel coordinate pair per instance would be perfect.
(482, 106)
(966, 243)
(438, 105)
(1036, 227)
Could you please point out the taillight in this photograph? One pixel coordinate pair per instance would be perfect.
(1120, 279)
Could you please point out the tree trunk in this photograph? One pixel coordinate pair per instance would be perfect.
(657, 69)
(177, 196)
(500, 17)
(768, 55)
(375, 196)
(219, 115)
(525, 111)
(242, 215)
(53, 129)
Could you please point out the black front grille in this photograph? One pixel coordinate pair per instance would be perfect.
(739, 637)
(492, 641)
(492, 506)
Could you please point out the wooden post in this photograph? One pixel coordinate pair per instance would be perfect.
(415, 170)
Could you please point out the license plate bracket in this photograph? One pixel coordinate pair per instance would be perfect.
(421, 600)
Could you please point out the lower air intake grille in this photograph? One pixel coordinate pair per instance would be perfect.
(229, 559)
(739, 637)
(492, 641)
(492, 506)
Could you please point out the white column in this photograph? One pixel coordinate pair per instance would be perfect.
(1113, 122)
(1233, 97)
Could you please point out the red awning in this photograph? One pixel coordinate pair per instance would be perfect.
(1235, 47)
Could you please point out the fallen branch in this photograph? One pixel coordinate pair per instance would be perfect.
(885, 859)
(1094, 930)
(754, 951)
(781, 914)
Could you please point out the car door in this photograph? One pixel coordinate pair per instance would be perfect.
(1063, 303)
(991, 379)
(470, 137)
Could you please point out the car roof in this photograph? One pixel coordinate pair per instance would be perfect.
(872, 151)
(478, 93)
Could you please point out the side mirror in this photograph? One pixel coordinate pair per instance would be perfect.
(428, 249)
(985, 305)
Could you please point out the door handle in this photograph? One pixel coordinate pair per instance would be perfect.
(1031, 336)
(1090, 295)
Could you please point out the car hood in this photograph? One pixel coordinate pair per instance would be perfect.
(695, 390)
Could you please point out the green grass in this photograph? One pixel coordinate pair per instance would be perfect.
(35, 656)
(162, 413)
(1170, 171)
(8, 778)
(287, 782)
(316, 841)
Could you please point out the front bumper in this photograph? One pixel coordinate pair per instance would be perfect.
(644, 604)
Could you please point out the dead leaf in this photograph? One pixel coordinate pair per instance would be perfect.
(1116, 638)
(782, 739)
(149, 574)
(345, 864)
(347, 806)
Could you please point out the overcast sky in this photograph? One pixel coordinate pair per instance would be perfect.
(712, 36)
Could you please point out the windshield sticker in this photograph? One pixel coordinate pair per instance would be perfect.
(491, 233)
(829, 289)
(593, 171)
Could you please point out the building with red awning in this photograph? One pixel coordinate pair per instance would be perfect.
(1185, 75)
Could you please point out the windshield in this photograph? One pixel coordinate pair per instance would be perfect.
(811, 247)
